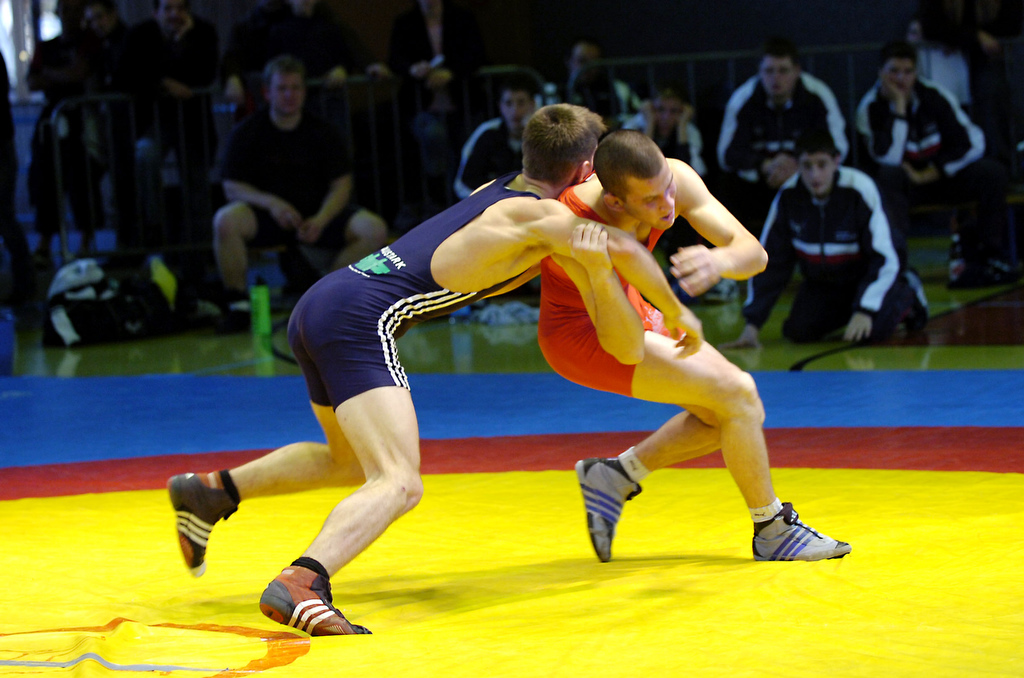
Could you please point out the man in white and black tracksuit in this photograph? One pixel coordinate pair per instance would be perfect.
(929, 151)
(763, 120)
(829, 220)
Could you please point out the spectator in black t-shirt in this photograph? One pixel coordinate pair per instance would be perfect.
(496, 146)
(288, 180)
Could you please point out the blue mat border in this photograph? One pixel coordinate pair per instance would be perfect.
(53, 420)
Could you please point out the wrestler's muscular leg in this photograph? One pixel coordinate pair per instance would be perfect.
(381, 429)
(724, 411)
(302, 466)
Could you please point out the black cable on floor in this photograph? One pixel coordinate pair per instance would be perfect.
(274, 350)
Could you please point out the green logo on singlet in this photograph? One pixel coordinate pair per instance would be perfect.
(374, 263)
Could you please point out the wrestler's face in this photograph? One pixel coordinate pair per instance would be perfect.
(652, 201)
(516, 108)
(286, 94)
(779, 76)
(818, 173)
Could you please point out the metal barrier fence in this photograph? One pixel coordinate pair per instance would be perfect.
(140, 172)
(709, 79)
(370, 115)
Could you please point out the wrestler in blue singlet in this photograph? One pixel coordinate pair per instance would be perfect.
(344, 327)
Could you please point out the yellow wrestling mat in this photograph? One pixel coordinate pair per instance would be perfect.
(493, 575)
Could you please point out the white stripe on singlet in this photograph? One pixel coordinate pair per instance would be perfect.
(405, 309)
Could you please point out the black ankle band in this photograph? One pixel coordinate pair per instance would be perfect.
(311, 564)
(229, 487)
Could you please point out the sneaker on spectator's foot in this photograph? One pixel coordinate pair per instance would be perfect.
(785, 537)
(198, 507)
(301, 598)
(606, 487)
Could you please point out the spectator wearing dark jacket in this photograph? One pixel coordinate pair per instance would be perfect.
(763, 120)
(496, 146)
(829, 221)
(928, 151)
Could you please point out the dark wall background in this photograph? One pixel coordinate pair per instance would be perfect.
(539, 32)
(646, 27)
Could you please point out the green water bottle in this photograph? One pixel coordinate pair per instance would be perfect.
(259, 304)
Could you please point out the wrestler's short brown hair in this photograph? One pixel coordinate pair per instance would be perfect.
(624, 154)
(557, 139)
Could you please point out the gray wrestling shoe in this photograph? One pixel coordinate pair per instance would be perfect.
(198, 507)
(605, 487)
(785, 537)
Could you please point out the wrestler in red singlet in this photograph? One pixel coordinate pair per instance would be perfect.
(566, 333)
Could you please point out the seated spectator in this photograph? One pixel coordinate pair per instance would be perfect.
(829, 221)
(668, 119)
(763, 119)
(614, 101)
(979, 30)
(165, 61)
(288, 181)
(928, 151)
(495, 147)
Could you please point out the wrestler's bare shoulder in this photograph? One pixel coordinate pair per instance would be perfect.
(521, 211)
(691, 190)
(684, 172)
(503, 241)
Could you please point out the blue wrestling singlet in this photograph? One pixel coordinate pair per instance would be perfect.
(343, 330)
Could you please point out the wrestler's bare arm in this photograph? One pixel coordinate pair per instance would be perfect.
(500, 244)
(737, 254)
(639, 267)
(619, 329)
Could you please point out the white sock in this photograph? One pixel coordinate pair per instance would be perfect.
(766, 513)
(634, 468)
